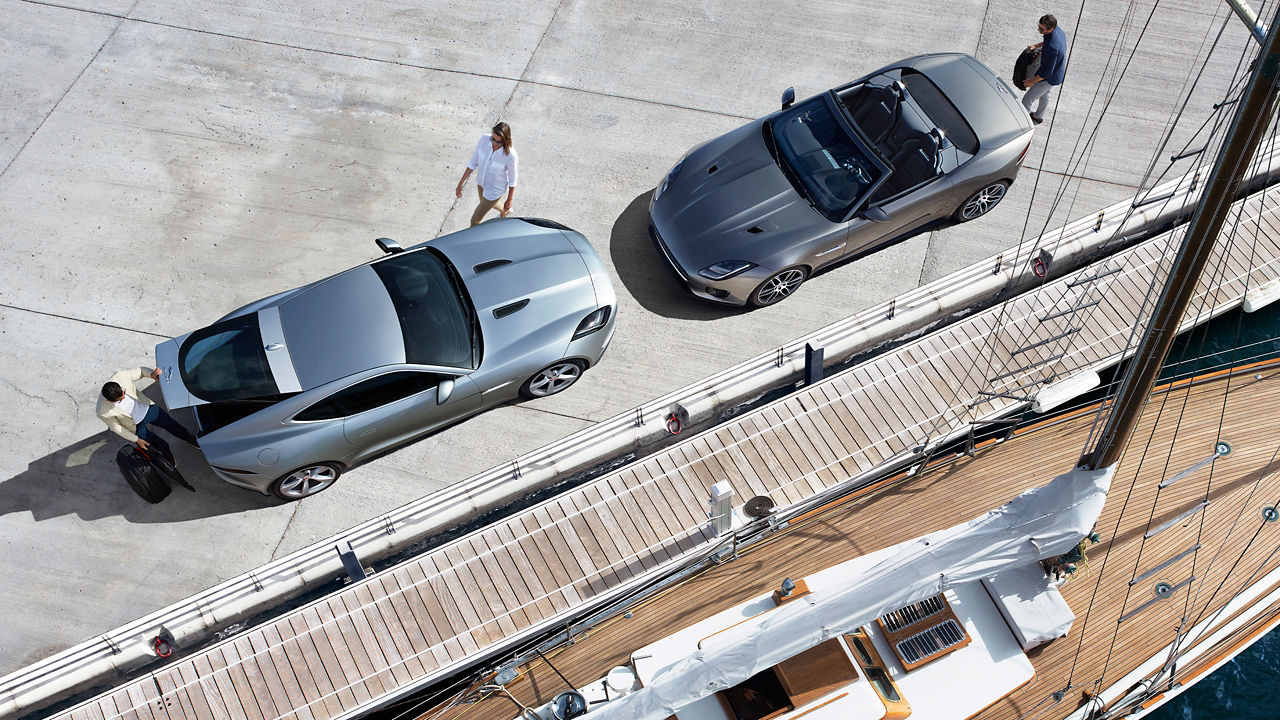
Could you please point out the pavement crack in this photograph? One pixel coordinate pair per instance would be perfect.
(54, 108)
(82, 320)
(275, 551)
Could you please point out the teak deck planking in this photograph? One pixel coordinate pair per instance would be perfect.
(1096, 649)
(452, 604)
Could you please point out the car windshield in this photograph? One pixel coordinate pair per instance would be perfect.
(828, 166)
(227, 362)
(435, 313)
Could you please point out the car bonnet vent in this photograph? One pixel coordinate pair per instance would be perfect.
(489, 265)
(506, 310)
(712, 169)
(755, 230)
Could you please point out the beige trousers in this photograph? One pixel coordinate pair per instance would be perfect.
(484, 207)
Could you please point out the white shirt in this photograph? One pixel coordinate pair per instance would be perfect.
(137, 411)
(495, 171)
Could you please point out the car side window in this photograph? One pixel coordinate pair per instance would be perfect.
(372, 393)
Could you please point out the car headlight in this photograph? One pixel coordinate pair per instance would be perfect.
(670, 178)
(592, 322)
(725, 269)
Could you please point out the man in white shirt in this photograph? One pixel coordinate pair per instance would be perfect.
(128, 413)
(494, 163)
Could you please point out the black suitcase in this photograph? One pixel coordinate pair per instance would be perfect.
(162, 462)
(141, 476)
(1027, 65)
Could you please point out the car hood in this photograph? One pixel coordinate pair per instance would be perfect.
(731, 201)
(523, 283)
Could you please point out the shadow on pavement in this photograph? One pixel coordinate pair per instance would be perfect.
(83, 480)
(645, 274)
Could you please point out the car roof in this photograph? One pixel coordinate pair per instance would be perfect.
(975, 91)
(341, 326)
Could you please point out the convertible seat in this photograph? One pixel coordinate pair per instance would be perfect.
(915, 162)
(874, 110)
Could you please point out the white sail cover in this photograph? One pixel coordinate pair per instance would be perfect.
(1038, 524)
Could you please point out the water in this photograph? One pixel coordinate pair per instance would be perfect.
(1243, 688)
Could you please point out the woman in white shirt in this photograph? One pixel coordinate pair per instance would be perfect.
(494, 163)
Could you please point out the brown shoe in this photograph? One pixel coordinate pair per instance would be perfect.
(1036, 119)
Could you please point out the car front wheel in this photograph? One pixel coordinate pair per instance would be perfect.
(305, 481)
(981, 202)
(780, 286)
(552, 379)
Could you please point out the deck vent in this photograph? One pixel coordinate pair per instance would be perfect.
(506, 310)
(923, 632)
(912, 614)
(489, 265)
(759, 506)
(931, 643)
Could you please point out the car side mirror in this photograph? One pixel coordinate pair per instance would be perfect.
(444, 390)
(389, 246)
(876, 214)
(788, 97)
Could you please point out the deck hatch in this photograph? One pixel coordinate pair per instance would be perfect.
(912, 614)
(930, 643)
(923, 631)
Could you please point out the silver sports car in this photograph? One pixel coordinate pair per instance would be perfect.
(294, 389)
(749, 216)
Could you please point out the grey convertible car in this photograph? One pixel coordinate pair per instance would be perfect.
(749, 216)
(294, 389)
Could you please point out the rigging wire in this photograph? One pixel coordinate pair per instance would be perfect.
(999, 321)
(1104, 406)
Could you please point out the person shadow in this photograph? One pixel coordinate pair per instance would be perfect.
(83, 480)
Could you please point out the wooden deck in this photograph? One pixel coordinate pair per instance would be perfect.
(527, 573)
(1099, 650)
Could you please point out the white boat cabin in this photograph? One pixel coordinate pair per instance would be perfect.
(948, 656)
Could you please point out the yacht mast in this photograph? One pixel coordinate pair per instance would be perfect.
(1253, 115)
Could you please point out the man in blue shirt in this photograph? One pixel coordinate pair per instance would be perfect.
(1053, 68)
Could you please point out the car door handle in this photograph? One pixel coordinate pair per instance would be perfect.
(828, 252)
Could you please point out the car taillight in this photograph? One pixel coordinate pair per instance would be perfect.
(1024, 152)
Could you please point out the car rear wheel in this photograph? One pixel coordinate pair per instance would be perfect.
(981, 202)
(552, 379)
(306, 481)
(780, 286)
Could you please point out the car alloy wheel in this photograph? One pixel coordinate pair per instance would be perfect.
(981, 202)
(779, 286)
(552, 379)
(305, 481)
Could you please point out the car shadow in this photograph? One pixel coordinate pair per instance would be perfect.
(647, 277)
(83, 480)
(645, 274)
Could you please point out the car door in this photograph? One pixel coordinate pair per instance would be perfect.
(907, 211)
(387, 409)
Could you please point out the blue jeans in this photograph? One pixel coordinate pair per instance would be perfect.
(158, 417)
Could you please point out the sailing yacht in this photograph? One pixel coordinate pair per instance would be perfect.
(1152, 559)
